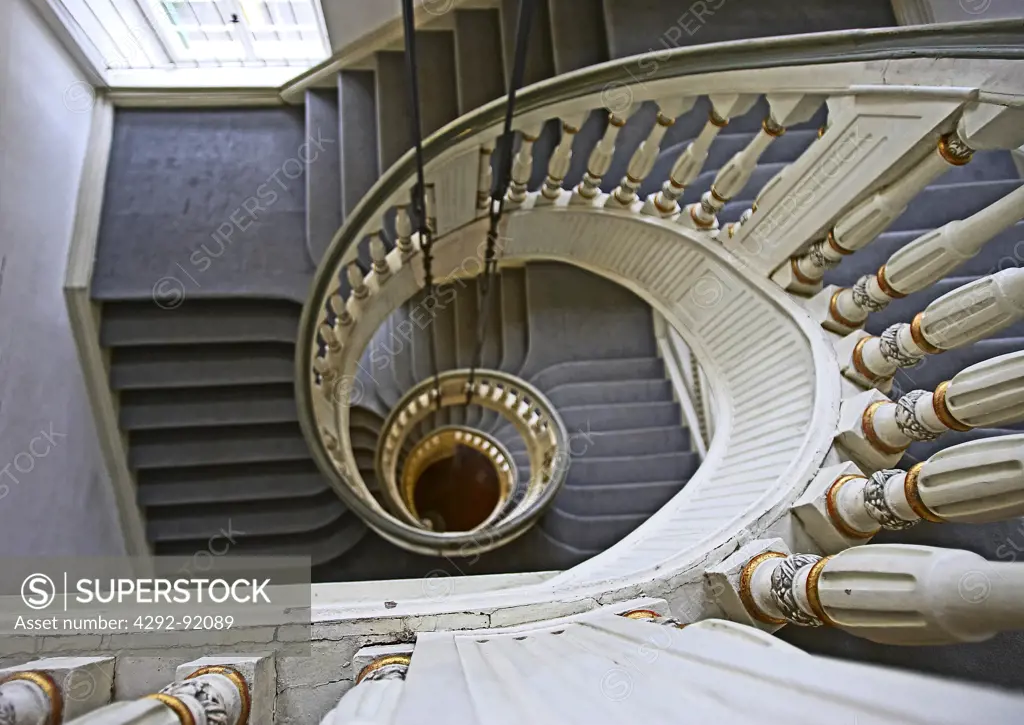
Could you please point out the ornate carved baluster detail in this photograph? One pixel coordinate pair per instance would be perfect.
(859, 226)
(522, 167)
(876, 431)
(379, 254)
(786, 110)
(589, 189)
(403, 227)
(484, 178)
(923, 262)
(558, 164)
(339, 308)
(642, 161)
(30, 698)
(688, 166)
(960, 317)
(889, 593)
(213, 696)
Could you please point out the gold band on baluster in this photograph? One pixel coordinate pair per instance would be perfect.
(821, 131)
(835, 245)
(747, 597)
(833, 311)
(942, 412)
(45, 683)
(616, 120)
(813, 596)
(858, 361)
(794, 265)
(883, 283)
(832, 507)
(383, 662)
(641, 614)
(698, 221)
(179, 708)
(868, 426)
(718, 197)
(913, 494)
(237, 680)
(917, 335)
(664, 120)
(772, 128)
(717, 120)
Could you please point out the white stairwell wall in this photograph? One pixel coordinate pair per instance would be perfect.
(54, 497)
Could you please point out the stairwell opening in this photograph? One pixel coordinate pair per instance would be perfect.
(459, 492)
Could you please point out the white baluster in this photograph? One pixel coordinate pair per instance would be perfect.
(688, 166)
(786, 110)
(642, 161)
(862, 224)
(977, 482)
(923, 262)
(960, 317)
(28, 698)
(355, 279)
(892, 593)
(561, 158)
(986, 394)
(374, 698)
(522, 167)
(337, 305)
(206, 699)
(403, 227)
(484, 178)
(379, 254)
(429, 199)
(600, 159)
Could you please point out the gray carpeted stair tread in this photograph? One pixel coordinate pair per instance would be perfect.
(400, 351)
(323, 173)
(622, 499)
(515, 330)
(293, 515)
(576, 315)
(540, 62)
(189, 366)
(230, 483)
(214, 446)
(478, 58)
(206, 203)
(623, 416)
(623, 442)
(625, 469)
(589, 533)
(641, 26)
(464, 318)
(578, 37)
(493, 347)
(443, 327)
(592, 371)
(200, 407)
(324, 545)
(620, 391)
(215, 321)
(357, 118)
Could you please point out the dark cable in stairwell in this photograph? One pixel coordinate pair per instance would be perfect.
(419, 193)
(497, 207)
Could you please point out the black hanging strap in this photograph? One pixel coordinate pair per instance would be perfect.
(504, 173)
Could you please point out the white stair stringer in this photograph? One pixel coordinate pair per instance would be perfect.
(603, 668)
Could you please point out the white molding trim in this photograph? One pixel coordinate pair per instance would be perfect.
(674, 354)
(192, 97)
(84, 318)
(68, 33)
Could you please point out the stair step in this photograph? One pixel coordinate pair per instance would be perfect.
(323, 172)
(540, 63)
(357, 118)
(942, 203)
(621, 499)
(623, 416)
(323, 546)
(586, 443)
(214, 446)
(589, 533)
(593, 371)
(626, 469)
(578, 34)
(620, 391)
(259, 518)
(187, 366)
(230, 483)
(200, 321)
(200, 407)
(478, 58)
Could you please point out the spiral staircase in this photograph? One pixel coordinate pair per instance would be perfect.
(710, 372)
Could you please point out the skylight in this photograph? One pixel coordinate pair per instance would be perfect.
(168, 34)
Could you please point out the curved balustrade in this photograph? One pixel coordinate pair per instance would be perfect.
(728, 295)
